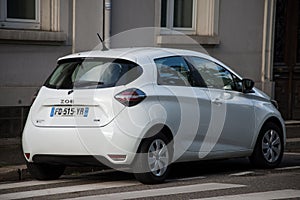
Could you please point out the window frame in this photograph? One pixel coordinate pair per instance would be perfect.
(15, 23)
(206, 30)
(170, 18)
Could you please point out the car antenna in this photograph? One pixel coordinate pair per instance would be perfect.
(104, 48)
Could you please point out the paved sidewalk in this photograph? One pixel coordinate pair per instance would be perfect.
(11, 152)
(293, 145)
(13, 173)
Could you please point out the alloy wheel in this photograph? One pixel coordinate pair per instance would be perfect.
(271, 146)
(158, 157)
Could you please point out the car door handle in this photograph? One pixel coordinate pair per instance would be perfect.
(217, 101)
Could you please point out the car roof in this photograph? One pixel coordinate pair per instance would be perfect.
(134, 53)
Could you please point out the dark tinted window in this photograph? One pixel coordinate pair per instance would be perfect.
(163, 19)
(20, 9)
(93, 73)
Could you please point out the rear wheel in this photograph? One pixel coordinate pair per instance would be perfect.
(45, 171)
(152, 160)
(269, 147)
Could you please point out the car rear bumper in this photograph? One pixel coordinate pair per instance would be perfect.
(67, 160)
(108, 145)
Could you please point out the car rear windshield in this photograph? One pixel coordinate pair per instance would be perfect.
(93, 73)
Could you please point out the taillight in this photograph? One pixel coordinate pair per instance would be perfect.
(130, 97)
(27, 155)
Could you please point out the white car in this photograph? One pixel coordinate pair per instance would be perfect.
(145, 108)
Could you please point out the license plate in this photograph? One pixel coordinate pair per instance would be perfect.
(69, 111)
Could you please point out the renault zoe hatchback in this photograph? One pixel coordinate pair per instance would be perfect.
(144, 109)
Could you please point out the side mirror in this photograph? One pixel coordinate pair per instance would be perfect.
(248, 85)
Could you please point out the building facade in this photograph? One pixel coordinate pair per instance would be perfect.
(259, 39)
(33, 35)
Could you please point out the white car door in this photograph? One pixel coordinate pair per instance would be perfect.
(185, 105)
(232, 123)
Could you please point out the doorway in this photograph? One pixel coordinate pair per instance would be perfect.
(286, 69)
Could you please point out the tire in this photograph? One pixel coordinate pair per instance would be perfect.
(45, 171)
(151, 165)
(269, 147)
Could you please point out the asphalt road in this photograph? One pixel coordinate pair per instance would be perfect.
(226, 179)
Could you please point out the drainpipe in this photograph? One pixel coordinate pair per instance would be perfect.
(74, 27)
(107, 21)
(268, 45)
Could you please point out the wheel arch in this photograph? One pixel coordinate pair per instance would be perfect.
(155, 129)
(276, 121)
(140, 165)
(258, 158)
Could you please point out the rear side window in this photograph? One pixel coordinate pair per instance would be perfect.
(172, 71)
(93, 73)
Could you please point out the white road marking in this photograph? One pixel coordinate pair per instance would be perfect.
(288, 168)
(30, 183)
(67, 189)
(163, 191)
(187, 179)
(242, 173)
(292, 153)
(278, 194)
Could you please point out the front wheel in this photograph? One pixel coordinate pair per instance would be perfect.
(45, 171)
(152, 160)
(269, 147)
